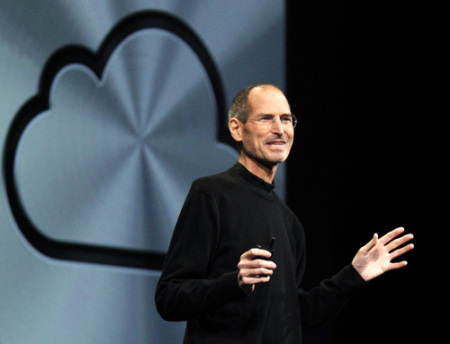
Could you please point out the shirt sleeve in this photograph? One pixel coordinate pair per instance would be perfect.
(184, 290)
(325, 301)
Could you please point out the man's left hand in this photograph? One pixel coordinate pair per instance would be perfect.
(375, 258)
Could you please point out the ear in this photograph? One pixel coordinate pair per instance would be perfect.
(236, 129)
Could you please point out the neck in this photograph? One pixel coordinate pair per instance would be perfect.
(266, 173)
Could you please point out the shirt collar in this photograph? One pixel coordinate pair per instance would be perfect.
(252, 179)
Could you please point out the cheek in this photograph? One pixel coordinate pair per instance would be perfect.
(292, 140)
(253, 139)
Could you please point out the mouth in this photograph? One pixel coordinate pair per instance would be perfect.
(277, 144)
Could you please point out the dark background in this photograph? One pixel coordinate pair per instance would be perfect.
(367, 81)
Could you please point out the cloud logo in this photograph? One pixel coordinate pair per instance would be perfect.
(98, 162)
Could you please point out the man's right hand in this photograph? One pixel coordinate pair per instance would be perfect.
(254, 268)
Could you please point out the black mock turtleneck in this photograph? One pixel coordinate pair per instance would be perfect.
(223, 216)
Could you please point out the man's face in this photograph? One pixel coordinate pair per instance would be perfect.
(267, 136)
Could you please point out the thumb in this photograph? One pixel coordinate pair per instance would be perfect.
(371, 244)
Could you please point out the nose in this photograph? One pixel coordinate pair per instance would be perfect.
(277, 125)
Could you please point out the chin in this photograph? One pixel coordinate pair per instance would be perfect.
(278, 158)
(271, 162)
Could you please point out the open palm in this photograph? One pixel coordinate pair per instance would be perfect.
(375, 258)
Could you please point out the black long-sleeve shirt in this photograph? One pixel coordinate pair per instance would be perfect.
(224, 216)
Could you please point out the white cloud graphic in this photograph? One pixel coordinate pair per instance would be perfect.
(111, 161)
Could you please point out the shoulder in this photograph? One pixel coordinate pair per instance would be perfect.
(214, 183)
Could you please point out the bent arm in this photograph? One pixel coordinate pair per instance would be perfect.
(184, 299)
(325, 301)
(372, 260)
(186, 288)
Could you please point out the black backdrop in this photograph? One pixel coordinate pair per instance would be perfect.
(366, 80)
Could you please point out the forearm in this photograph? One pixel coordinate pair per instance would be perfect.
(178, 299)
(326, 300)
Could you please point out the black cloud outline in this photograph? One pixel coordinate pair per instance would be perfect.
(96, 61)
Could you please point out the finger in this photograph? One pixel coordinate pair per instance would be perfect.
(401, 251)
(395, 266)
(252, 276)
(256, 262)
(255, 267)
(371, 244)
(255, 279)
(264, 273)
(391, 235)
(252, 268)
(256, 252)
(398, 242)
(262, 263)
(258, 272)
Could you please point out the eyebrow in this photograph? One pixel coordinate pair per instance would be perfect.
(270, 114)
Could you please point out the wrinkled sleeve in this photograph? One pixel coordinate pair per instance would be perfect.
(184, 290)
(325, 301)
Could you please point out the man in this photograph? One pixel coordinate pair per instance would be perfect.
(222, 276)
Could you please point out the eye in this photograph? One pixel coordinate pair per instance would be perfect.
(286, 119)
(266, 118)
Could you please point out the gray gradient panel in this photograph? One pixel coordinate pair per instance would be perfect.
(105, 165)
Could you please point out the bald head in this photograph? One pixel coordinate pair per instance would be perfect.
(240, 107)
